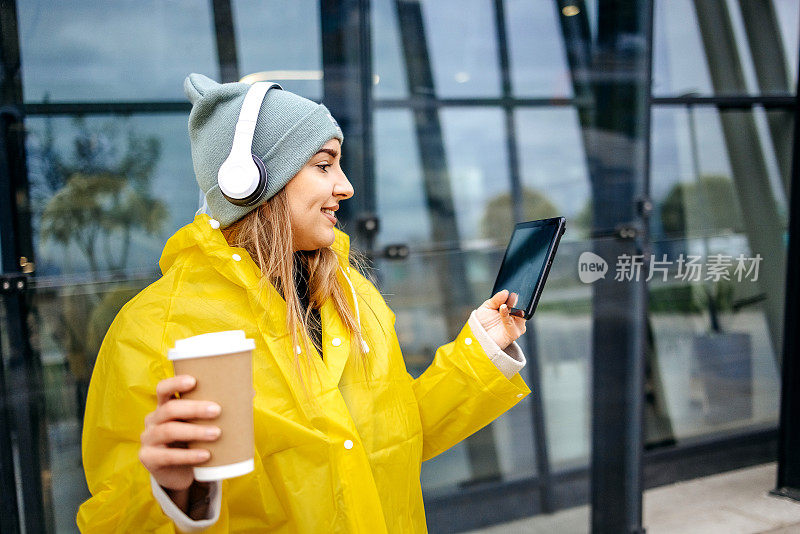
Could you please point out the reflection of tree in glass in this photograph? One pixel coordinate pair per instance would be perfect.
(705, 207)
(497, 221)
(582, 222)
(710, 200)
(101, 200)
(96, 201)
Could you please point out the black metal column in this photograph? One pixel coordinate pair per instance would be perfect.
(22, 396)
(788, 483)
(9, 522)
(610, 75)
(621, 90)
(611, 80)
(226, 41)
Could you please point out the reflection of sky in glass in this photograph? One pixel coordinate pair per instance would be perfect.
(278, 35)
(551, 156)
(679, 66)
(679, 61)
(82, 50)
(788, 12)
(671, 155)
(536, 48)
(591, 14)
(172, 182)
(672, 151)
(463, 51)
(477, 162)
(387, 58)
(462, 46)
(400, 190)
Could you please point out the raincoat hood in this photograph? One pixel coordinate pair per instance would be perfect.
(200, 240)
(200, 243)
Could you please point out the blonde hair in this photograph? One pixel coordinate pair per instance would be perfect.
(267, 236)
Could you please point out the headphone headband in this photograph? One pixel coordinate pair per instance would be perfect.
(242, 178)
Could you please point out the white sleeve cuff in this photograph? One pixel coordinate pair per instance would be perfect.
(509, 360)
(182, 521)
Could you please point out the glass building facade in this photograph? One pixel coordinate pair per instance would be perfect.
(662, 131)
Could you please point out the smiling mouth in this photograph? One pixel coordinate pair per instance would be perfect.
(329, 214)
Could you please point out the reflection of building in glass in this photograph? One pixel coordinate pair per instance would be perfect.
(460, 119)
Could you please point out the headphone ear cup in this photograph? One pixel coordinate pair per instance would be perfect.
(261, 189)
(258, 193)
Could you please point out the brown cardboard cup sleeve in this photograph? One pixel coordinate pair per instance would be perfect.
(222, 363)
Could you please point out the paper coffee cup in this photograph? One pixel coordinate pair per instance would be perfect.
(222, 363)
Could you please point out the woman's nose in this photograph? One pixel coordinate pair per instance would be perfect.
(343, 187)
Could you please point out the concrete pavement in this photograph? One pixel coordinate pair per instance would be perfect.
(736, 502)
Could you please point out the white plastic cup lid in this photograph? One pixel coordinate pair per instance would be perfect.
(212, 344)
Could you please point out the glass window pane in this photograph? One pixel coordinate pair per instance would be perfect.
(679, 65)
(388, 64)
(563, 331)
(536, 47)
(692, 142)
(717, 327)
(552, 165)
(131, 174)
(400, 187)
(788, 13)
(555, 182)
(146, 50)
(286, 48)
(477, 162)
(462, 47)
(683, 65)
(112, 165)
(72, 319)
(477, 167)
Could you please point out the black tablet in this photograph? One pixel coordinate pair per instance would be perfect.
(527, 262)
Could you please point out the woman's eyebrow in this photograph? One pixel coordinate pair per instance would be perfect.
(332, 152)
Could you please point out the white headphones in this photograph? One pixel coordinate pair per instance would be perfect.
(242, 178)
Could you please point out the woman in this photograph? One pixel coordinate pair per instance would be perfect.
(341, 427)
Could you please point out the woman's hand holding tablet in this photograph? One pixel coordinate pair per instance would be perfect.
(527, 262)
(495, 317)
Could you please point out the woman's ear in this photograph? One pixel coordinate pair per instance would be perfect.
(196, 85)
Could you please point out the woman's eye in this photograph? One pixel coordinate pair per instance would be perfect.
(324, 166)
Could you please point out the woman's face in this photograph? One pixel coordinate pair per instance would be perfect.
(314, 195)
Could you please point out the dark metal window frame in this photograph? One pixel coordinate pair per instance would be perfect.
(788, 479)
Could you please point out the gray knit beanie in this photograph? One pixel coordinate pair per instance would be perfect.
(289, 130)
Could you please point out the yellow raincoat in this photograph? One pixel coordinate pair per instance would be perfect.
(305, 480)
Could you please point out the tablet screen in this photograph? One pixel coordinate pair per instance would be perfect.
(525, 259)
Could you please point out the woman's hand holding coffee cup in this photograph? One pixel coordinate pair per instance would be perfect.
(163, 450)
